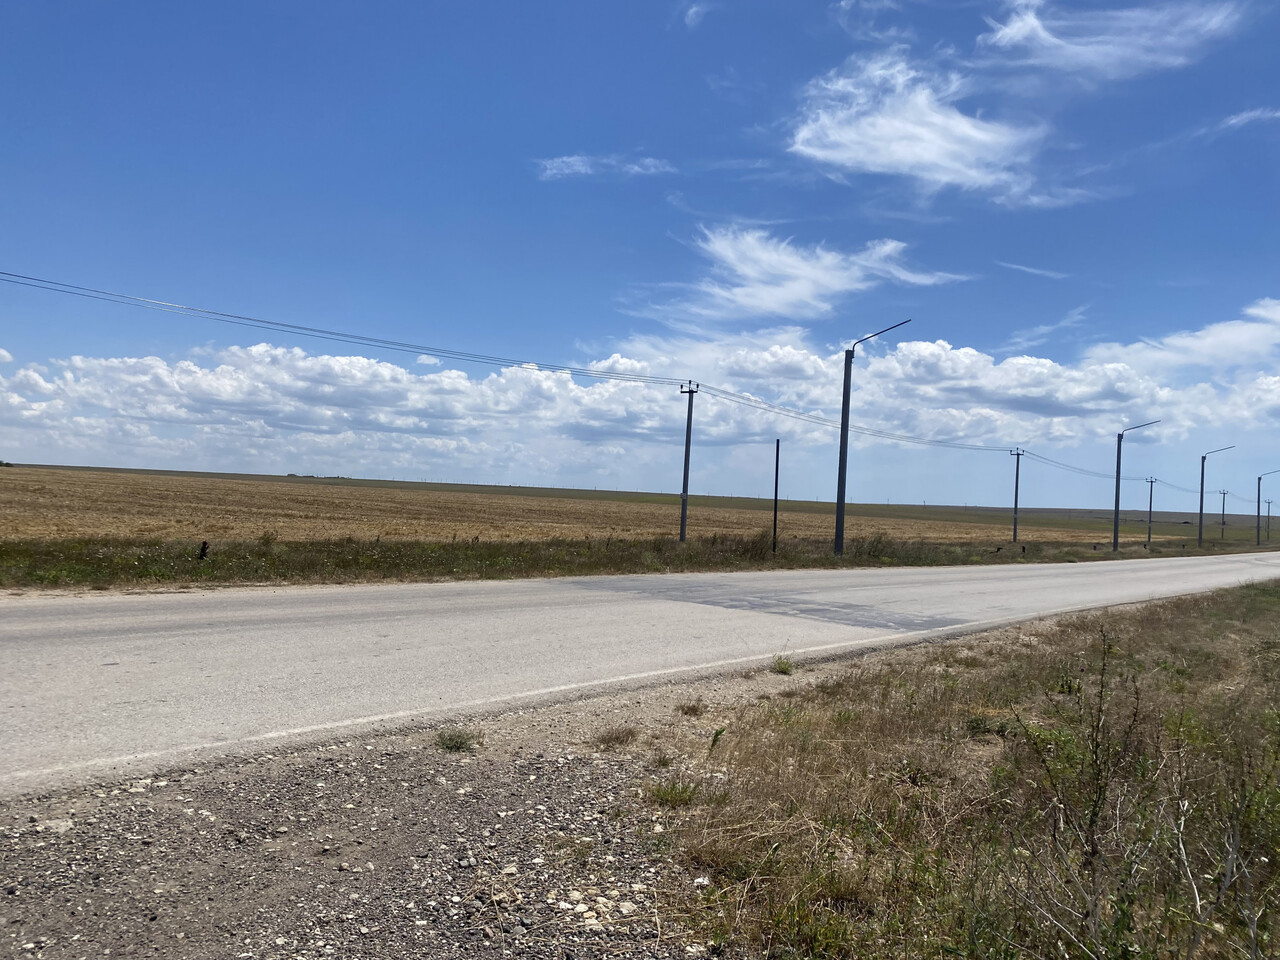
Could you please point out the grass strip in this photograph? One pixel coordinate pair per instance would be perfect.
(1100, 786)
(112, 562)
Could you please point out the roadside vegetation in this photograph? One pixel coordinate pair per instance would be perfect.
(1102, 786)
(122, 562)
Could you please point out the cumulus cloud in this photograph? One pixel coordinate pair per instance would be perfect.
(5, 356)
(579, 165)
(1109, 44)
(755, 274)
(277, 409)
(885, 115)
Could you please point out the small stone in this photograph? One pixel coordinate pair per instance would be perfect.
(509, 871)
(627, 908)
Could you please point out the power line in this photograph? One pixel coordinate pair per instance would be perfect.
(729, 396)
(321, 333)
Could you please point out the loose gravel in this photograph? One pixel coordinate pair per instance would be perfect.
(542, 842)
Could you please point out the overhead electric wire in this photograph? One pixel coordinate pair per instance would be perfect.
(765, 405)
(320, 333)
(1082, 471)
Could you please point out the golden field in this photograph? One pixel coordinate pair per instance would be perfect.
(66, 503)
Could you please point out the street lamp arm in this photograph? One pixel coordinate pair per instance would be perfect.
(1220, 449)
(1140, 426)
(872, 336)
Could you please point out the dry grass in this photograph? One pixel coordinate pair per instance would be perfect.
(60, 504)
(1106, 786)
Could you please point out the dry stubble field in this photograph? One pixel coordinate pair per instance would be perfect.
(59, 504)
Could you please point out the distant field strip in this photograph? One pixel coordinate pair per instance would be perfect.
(62, 504)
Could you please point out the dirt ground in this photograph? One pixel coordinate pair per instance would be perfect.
(61, 503)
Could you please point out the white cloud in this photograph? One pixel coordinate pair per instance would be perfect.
(1218, 349)
(694, 14)
(1023, 340)
(5, 356)
(1260, 115)
(755, 274)
(275, 409)
(578, 165)
(1109, 44)
(1034, 271)
(884, 115)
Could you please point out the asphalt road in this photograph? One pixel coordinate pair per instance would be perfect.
(96, 686)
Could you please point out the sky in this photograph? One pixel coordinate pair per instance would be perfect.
(1075, 204)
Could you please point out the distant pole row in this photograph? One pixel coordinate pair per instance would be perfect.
(690, 388)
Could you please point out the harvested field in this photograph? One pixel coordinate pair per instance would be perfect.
(62, 503)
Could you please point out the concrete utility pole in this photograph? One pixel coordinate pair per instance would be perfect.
(688, 444)
(777, 462)
(1151, 496)
(1268, 521)
(1259, 531)
(1017, 476)
(1223, 534)
(841, 475)
(1115, 530)
(1203, 458)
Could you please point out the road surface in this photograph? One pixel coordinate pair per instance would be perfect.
(96, 686)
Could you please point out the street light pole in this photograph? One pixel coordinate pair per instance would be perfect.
(842, 474)
(1115, 527)
(1223, 534)
(1259, 532)
(1268, 521)
(1203, 458)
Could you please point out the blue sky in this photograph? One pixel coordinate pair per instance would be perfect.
(1076, 204)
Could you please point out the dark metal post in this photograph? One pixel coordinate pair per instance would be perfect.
(842, 473)
(1151, 496)
(844, 453)
(1115, 520)
(688, 444)
(1200, 529)
(777, 462)
(1200, 533)
(1223, 534)
(1115, 529)
(1260, 476)
(1017, 476)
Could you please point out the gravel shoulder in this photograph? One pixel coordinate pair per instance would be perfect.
(541, 842)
